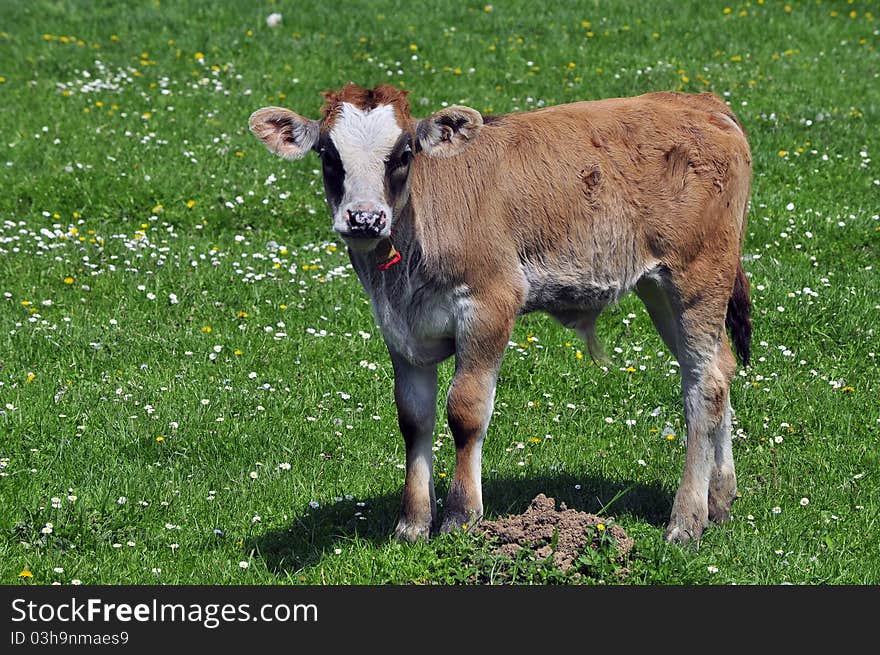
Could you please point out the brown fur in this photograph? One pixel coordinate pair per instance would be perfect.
(365, 99)
(679, 211)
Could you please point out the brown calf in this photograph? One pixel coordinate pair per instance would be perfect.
(458, 223)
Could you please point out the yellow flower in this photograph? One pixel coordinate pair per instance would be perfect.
(206, 329)
(783, 153)
(30, 377)
(25, 574)
(630, 369)
(535, 440)
(282, 306)
(198, 55)
(241, 315)
(670, 436)
(600, 527)
(579, 354)
(160, 438)
(848, 389)
(190, 203)
(237, 352)
(727, 10)
(68, 280)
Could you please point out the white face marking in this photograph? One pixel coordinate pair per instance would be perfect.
(364, 140)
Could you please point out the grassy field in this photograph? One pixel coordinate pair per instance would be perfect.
(192, 388)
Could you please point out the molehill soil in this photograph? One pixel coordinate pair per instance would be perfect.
(536, 528)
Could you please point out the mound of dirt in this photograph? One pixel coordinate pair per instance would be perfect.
(535, 529)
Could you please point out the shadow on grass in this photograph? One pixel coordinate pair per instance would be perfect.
(311, 534)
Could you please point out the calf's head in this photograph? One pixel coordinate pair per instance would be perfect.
(367, 142)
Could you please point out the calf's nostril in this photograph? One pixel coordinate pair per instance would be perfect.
(365, 222)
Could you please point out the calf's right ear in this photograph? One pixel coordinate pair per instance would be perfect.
(284, 132)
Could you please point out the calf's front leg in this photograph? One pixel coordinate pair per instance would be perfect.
(415, 393)
(469, 406)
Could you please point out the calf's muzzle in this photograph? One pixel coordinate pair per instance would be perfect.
(365, 223)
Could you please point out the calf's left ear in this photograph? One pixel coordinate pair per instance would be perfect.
(449, 131)
(284, 132)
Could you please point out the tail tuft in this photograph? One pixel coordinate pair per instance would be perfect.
(739, 321)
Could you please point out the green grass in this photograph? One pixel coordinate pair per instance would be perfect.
(150, 185)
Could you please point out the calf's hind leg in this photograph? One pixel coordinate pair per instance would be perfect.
(706, 367)
(722, 484)
(722, 481)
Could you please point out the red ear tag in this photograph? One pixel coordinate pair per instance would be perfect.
(393, 258)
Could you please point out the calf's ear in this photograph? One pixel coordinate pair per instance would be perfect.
(449, 131)
(284, 132)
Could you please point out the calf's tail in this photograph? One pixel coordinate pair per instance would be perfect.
(739, 319)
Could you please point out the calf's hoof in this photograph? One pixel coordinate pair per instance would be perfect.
(454, 521)
(719, 512)
(683, 530)
(412, 531)
(722, 493)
